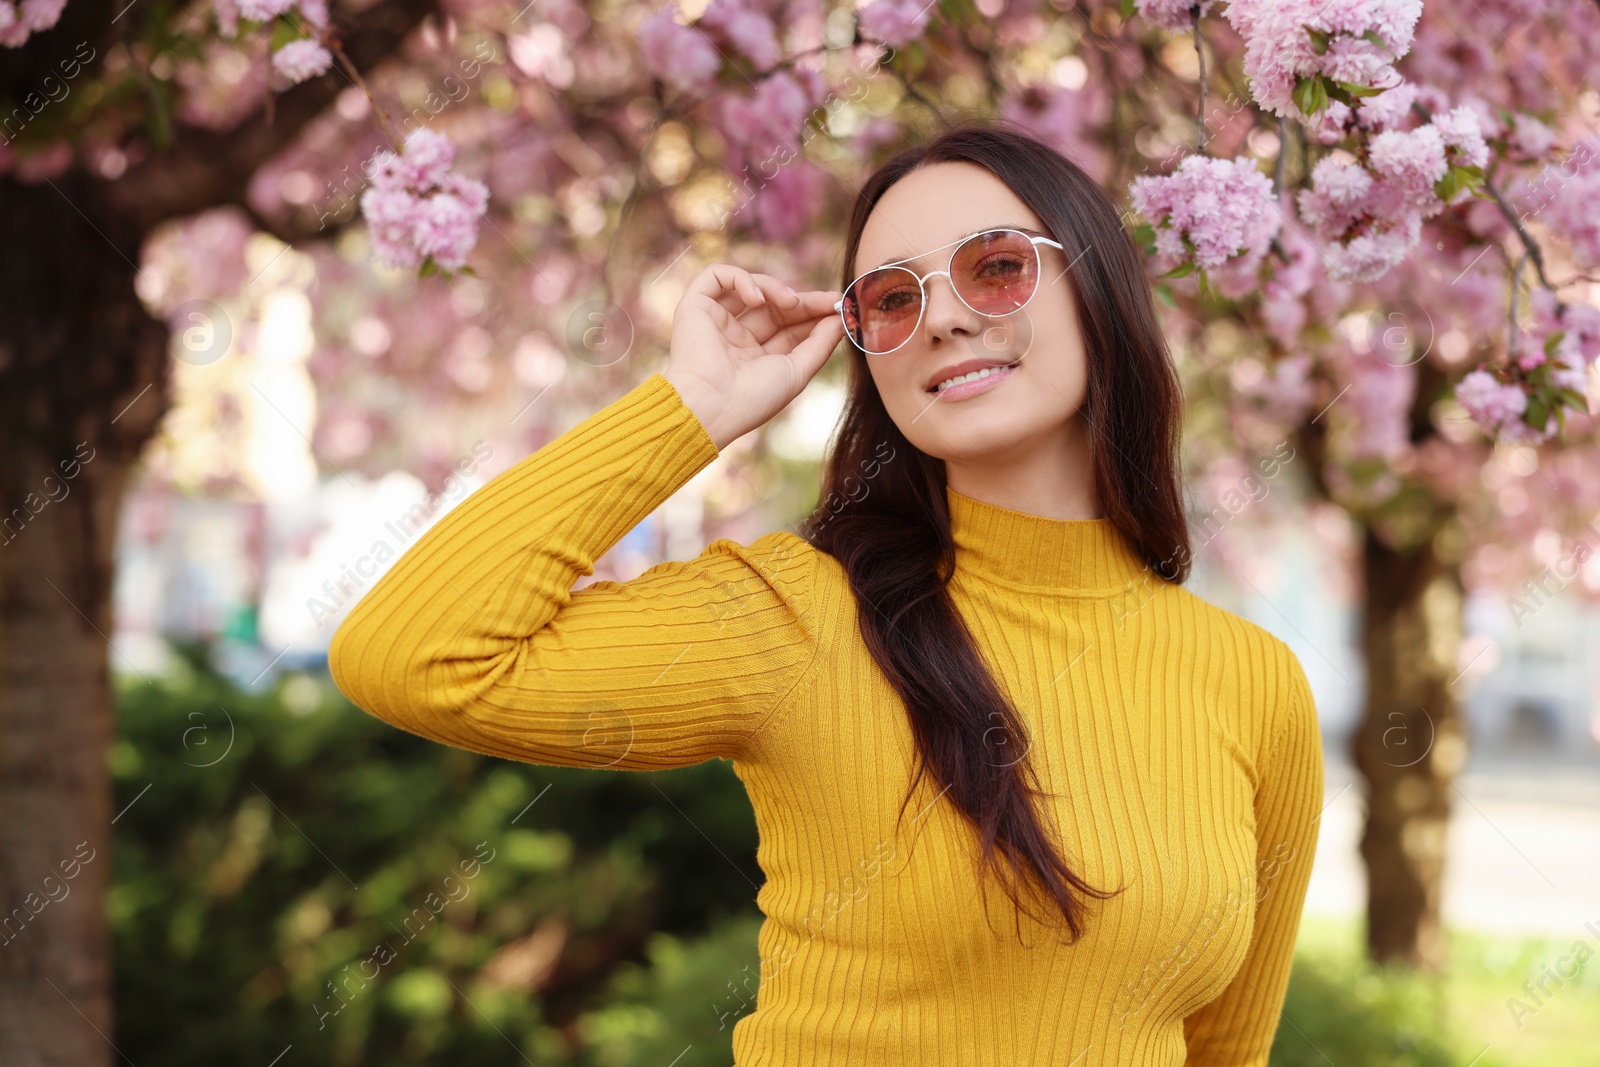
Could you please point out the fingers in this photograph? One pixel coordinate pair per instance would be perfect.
(827, 328)
(738, 290)
(778, 293)
(811, 353)
(732, 287)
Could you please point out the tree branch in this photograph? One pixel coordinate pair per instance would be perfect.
(1528, 242)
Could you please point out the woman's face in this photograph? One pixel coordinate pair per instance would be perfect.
(1033, 405)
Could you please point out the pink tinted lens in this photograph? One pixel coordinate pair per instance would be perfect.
(881, 308)
(996, 272)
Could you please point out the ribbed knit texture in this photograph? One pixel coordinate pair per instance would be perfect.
(1180, 740)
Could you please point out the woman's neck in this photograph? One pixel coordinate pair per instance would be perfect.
(1052, 479)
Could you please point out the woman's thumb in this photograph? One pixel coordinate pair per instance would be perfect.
(819, 344)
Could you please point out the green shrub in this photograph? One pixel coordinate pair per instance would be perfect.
(271, 843)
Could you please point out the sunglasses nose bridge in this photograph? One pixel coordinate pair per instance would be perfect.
(955, 291)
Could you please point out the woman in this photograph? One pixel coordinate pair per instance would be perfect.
(977, 663)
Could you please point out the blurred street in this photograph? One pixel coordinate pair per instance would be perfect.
(1524, 851)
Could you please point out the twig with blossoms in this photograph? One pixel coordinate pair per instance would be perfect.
(420, 214)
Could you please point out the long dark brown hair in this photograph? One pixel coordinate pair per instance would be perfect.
(894, 541)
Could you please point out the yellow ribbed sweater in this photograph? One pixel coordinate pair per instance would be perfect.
(1182, 742)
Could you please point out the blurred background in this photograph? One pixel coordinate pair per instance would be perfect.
(285, 281)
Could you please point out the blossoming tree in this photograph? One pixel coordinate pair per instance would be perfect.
(1374, 228)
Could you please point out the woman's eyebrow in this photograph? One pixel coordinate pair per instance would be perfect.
(1029, 230)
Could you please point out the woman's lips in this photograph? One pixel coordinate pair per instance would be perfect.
(981, 385)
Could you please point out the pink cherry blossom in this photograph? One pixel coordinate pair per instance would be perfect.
(1372, 255)
(1530, 138)
(1411, 161)
(751, 32)
(1222, 207)
(299, 60)
(1172, 14)
(427, 157)
(1280, 50)
(1573, 188)
(445, 228)
(679, 55)
(1461, 132)
(416, 209)
(263, 10)
(19, 20)
(1489, 402)
(895, 22)
(1390, 109)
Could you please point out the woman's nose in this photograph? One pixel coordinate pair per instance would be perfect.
(946, 316)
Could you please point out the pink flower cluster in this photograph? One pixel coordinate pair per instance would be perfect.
(1368, 208)
(1371, 215)
(1497, 405)
(417, 209)
(312, 12)
(1578, 344)
(895, 22)
(1171, 14)
(296, 60)
(1574, 208)
(1218, 211)
(1280, 48)
(747, 28)
(19, 20)
(1283, 309)
(299, 60)
(1491, 403)
(681, 56)
(773, 115)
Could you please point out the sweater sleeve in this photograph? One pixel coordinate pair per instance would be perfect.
(1237, 1028)
(476, 639)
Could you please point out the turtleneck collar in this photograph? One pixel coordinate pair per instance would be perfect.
(1082, 556)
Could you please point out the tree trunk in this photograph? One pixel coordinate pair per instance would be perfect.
(82, 386)
(1410, 744)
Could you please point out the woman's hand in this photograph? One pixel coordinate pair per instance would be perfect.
(736, 367)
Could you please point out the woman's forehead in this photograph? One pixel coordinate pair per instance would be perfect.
(932, 208)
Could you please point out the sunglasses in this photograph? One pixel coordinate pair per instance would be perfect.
(995, 272)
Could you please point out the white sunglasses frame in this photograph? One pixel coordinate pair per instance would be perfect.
(922, 288)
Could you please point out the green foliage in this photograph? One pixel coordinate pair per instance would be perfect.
(684, 1003)
(1351, 1013)
(1343, 1009)
(284, 837)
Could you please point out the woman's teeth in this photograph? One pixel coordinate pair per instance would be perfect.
(972, 376)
